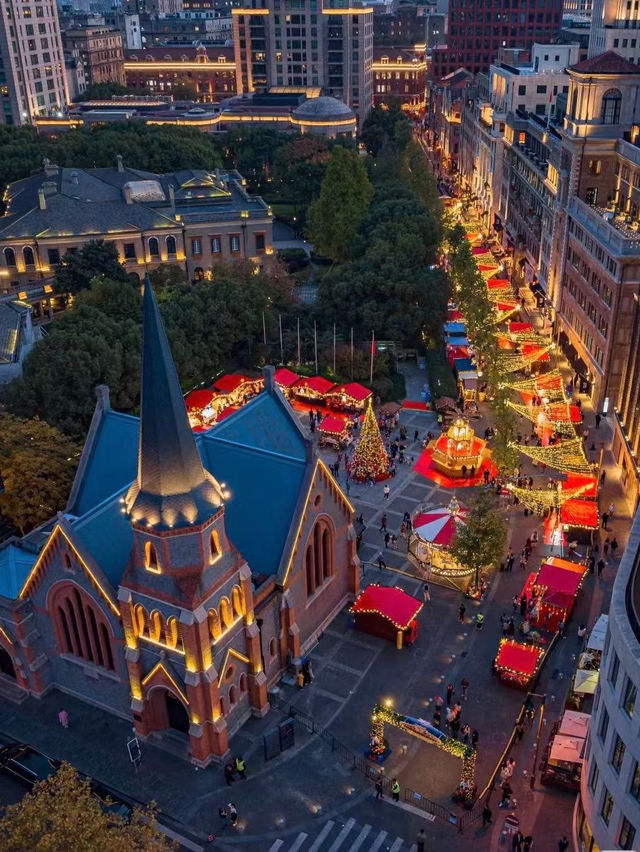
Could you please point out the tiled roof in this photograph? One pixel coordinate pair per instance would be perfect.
(606, 63)
(15, 564)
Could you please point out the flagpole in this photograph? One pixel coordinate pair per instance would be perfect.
(264, 330)
(373, 343)
(281, 346)
(351, 353)
(315, 343)
(334, 349)
(298, 341)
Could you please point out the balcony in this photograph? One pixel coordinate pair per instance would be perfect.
(614, 234)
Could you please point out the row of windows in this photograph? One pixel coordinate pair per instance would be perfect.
(318, 558)
(82, 629)
(234, 244)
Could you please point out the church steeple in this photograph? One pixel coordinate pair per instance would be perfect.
(172, 489)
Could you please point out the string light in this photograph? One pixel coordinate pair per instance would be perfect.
(511, 363)
(548, 385)
(359, 610)
(370, 458)
(567, 456)
(523, 678)
(544, 416)
(541, 499)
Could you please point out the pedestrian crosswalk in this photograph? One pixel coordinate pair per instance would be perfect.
(339, 836)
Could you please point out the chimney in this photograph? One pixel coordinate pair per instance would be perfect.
(50, 169)
(50, 187)
(172, 197)
(42, 201)
(126, 191)
(269, 376)
(120, 163)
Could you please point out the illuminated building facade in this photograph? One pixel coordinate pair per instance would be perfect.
(165, 593)
(325, 43)
(32, 62)
(100, 51)
(400, 74)
(210, 74)
(193, 218)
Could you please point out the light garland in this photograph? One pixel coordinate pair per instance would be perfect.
(370, 458)
(548, 385)
(567, 456)
(567, 427)
(523, 678)
(539, 499)
(501, 316)
(511, 363)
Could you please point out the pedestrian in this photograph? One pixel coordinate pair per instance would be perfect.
(420, 840)
(561, 627)
(464, 683)
(228, 771)
(614, 547)
(487, 816)
(381, 563)
(527, 843)
(386, 492)
(475, 736)
(601, 564)
(605, 546)
(415, 435)
(63, 717)
(518, 840)
(241, 768)
(461, 611)
(224, 817)
(464, 471)
(523, 606)
(379, 789)
(309, 672)
(612, 511)
(449, 694)
(506, 794)
(523, 562)
(598, 419)
(387, 539)
(563, 844)
(426, 597)
(233, 814)
(437, 717)
(519, 732)
(466, 733)
(515, 603)
(395, 790)
(603, 477)
(479, 620)
(605, 520)
(591, 563)
(383, 523)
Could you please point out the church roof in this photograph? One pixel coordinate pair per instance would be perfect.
(172, 488)
(606, 63)
(15, 564)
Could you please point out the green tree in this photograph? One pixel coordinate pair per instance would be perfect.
(38, 464)
(481, 542)
(380, 126)
(105, 91)
(95, 259)
(167, 275)
(336, 215)
(61, 813)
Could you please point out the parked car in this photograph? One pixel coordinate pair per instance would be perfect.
(30, 766)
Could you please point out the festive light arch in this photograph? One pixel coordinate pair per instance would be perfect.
(428, 733)
(567, 456)
(549, 385)
(511, 363)
(541, 499)
(566, 425)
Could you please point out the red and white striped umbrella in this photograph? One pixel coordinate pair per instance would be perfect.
(438, 526)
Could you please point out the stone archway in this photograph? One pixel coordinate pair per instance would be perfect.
(6, 664)
(166, 712)
(177, 714)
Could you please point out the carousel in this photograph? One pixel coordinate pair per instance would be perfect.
(458, 451)
(434, 532)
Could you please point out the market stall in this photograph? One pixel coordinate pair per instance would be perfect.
(348, 397)
(285, 379)
(561, 580)
(387, 612)
(237, 388)
(312, 389)
(335, 432)
(598, 634)
(518, 664)
(562, 761)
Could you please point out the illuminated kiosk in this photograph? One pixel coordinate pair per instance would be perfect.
(457, 448)
(433, 535)
(466, 790)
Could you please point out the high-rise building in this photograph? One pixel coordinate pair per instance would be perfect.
(100, 50)
(306, 44)
(32, 71)
(608, 812)
(477, 31)
(615, 26)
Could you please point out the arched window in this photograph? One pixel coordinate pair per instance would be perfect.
(140, 619)
(223, 707)
(308, 566)
(214, 625)
(327, 553)
(154, 248)
(214, 546)
(238, 600)
(66, 561)
(27, 253)
(243, 682)
(81, 626)
(233, 696)
(155, 626)
(151, 562)
(317, 554)
(226, 613)
(611, 102)
(10, 257)
(172, 633)
(171, 246)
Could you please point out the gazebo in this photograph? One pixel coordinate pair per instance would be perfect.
(457, 450)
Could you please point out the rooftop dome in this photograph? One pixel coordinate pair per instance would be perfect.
(323, 109)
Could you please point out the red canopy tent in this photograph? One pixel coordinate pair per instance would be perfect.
(284, 378)
(550, 381)
(480, 251)
(231, 382)
(350, 395)
(580, 513)
(227, 412)
(454, 352)
(313, 387)
(518, 664)
(455, 315)
(520, 327)
(576, 480)
(198, 399)
(386, 611)
(333, 425)
(498, 284)
(560, 580)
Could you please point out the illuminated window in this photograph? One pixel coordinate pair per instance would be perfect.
(226, 613)
(172, 632)
(238, 600)
(214, 546)
(151, 562)
(214, 624)
(155, 626)
(140, 618)
(82, 628)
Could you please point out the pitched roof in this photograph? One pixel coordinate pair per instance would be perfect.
(106, 533)
(172, 488)
(606, 63)
(15, 564)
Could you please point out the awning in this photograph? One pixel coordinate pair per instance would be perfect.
(598, 633)
(566, 749)
(333, 425)
(457, 341)
(198, 399)
(586, 681)
(352, 390)
(455, 328)
(317, 385)
(462, 365)
(574, 724)
(285, 378)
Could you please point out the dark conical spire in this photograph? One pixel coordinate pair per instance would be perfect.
(172, 489)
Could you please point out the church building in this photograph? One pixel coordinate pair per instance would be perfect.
(186, 572)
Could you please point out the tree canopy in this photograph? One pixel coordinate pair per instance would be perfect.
(336, 215)
(95, 259)
(38, 464)
(62, 813)
(481, 541)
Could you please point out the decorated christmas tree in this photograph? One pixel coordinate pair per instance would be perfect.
(370, 457)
